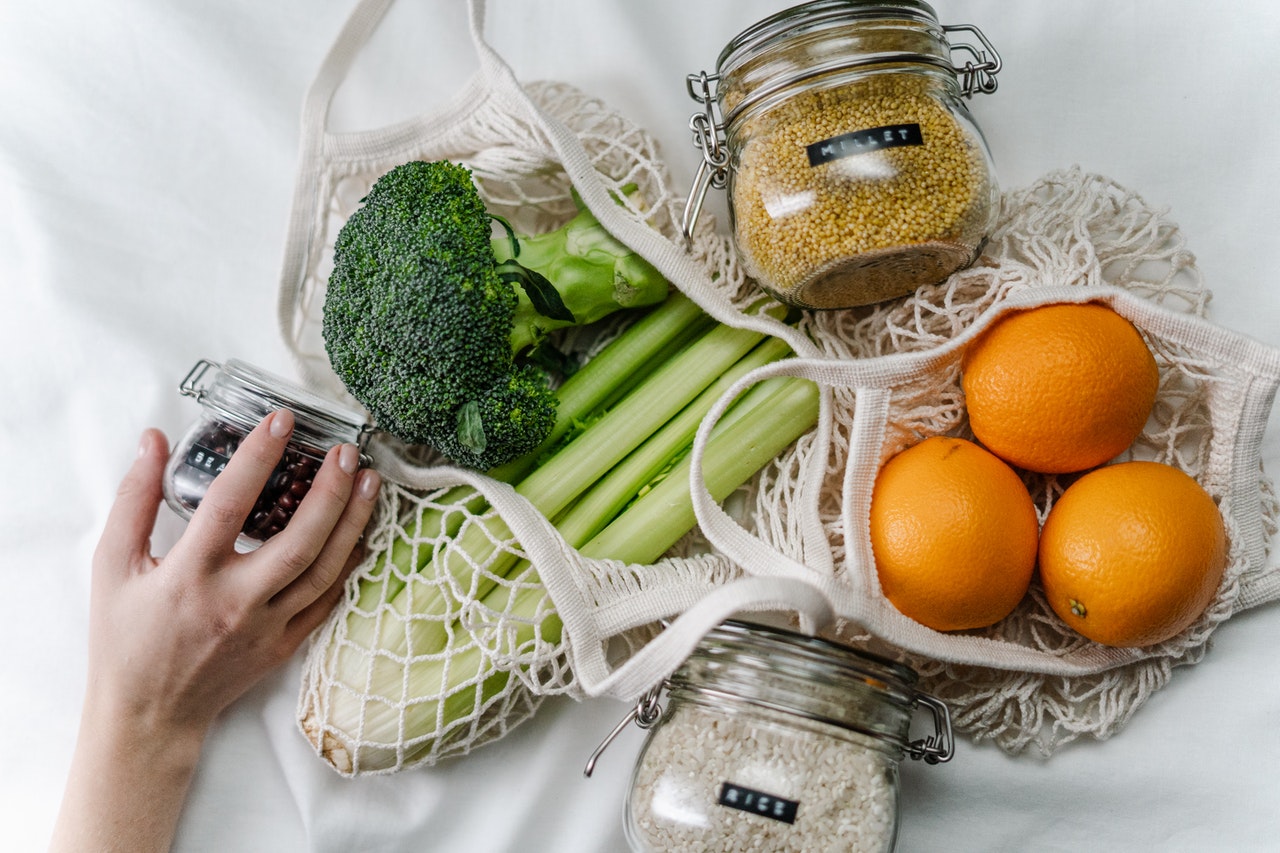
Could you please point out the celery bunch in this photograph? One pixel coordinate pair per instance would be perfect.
(410, 675)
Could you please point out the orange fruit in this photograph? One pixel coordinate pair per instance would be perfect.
(953, 530)
(1059, 388)
(1132, 553)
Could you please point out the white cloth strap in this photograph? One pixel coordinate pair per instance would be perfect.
(333, 69)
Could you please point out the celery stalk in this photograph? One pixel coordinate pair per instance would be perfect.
(651, 340)
(664, 514)
(611, 494)
(768, 423)
(475, 556)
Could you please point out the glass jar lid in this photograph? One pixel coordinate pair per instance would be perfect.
(810, 679)
(821, 37)
(814, 680)
(820, 14)
(243, 395)
(823, 15)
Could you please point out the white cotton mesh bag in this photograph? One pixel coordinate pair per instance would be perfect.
(437, 649)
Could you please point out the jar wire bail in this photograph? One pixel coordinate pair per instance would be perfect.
(190, 386)
(979, 77)
(647, 711)
(713, 169)
(939, 747)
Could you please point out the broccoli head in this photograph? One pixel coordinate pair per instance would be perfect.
(429, 314)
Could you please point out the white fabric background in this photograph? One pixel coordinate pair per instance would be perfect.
(147, 154)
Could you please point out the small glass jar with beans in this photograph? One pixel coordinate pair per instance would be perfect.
(234, 397)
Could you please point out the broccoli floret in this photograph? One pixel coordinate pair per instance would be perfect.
(429, 313)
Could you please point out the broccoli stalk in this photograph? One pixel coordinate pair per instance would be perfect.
(560, 276)
(428, 316)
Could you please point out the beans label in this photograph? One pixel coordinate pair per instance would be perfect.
(203, 459)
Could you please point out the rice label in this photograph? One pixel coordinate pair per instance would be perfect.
(862, 141)
(203, 459)
(758, 802)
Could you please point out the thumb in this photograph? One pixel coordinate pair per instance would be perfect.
(127, 536)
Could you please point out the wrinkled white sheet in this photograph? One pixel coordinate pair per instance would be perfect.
(147, 154)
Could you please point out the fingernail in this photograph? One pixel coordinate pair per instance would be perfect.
(348, 458)
(281, 423)
(369, 484)
(144, 443)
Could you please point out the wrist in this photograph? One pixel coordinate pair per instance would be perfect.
(135, 732)
(129, 778)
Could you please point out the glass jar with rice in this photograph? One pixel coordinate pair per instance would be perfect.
(773, 740)
(854, 170)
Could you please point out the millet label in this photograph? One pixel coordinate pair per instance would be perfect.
(758, 802)
(203, 459)
(862, 141)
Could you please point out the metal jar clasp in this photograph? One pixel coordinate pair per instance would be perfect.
(708, 136)
(191, 386)
(646, 712)
(978, 74)
(938, 747)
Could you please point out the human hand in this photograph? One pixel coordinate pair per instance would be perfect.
(174, 641)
